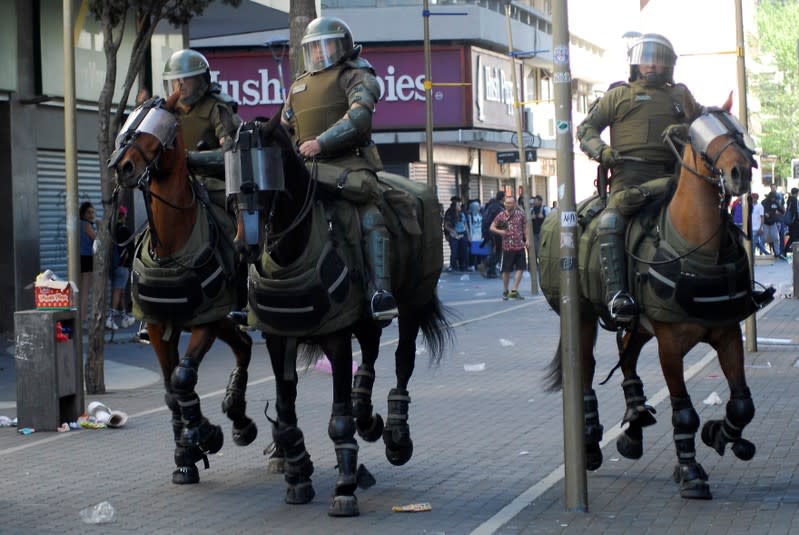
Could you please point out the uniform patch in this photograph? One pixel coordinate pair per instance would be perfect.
(641, 98)
(298, 88)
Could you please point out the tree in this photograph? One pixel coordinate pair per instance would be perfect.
(301, 13)
(777, 85)
(113, 16)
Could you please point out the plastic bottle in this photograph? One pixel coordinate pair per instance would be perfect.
(101, 513)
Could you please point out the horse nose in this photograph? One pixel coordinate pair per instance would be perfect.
(126, 169)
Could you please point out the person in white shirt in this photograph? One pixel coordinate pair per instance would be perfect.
(757, 225)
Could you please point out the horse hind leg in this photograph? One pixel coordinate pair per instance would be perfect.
(740, 411)
(638, 415)
(368, 423)
(186, 455)
(593, 431)
(234, 404)
(341, 431)
(690, 475)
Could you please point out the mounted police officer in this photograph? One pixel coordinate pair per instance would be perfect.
(637, 113)
(329, 113)
(207, 118)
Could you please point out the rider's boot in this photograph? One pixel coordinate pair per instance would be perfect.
(377, 254)
(612, 263)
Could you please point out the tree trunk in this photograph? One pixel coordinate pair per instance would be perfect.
(301, 13)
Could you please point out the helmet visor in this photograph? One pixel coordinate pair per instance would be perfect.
(321, 52)
(652, 53)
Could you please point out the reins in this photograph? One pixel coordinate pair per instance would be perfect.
(310, 193)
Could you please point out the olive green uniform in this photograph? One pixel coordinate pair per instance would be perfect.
(637, 116)
(210, 125)
(320, 106)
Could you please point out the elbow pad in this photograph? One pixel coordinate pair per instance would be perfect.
(352, 130)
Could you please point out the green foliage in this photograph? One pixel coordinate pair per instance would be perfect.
(777, 86)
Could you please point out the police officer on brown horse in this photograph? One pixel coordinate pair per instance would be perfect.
(329, 113)
(638, 113)
(207, 118)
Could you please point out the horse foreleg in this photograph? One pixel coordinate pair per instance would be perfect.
(638, 414)
(397, 432)
(740, 408)
(290, 450)
(368, 424)
(341, 427)
(234, 404)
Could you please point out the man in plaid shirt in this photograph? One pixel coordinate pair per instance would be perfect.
(510, 224)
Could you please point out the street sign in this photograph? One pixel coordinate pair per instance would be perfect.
(532, 141)
(512, 156)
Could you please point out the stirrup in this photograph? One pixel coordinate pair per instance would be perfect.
(383, 306)
(623, 308)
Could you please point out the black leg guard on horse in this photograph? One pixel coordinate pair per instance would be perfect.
(638, 415)
(341, 431)
(186, 455)
(397, 433)
(593, 431)
(368, 424)
(197, 429)
(690, 475)
(298, 465)
(234, 405)
(717, 433)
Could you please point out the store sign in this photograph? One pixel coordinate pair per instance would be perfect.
(493, 94)
(254, 80)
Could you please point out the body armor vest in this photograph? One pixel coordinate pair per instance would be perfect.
(196, 124)
(648, 112)
(318, 102)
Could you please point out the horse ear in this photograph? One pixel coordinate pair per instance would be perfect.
(727, 106)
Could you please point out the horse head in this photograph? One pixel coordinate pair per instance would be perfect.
(265, 165)
(720, 151)
(146, 142)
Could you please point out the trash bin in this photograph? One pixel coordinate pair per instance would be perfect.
(49, 371)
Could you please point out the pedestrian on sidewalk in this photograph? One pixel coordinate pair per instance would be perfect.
(510, 224)
(494, 241)
(121, 261)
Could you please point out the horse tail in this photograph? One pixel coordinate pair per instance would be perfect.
(436, 328)
(553, 381)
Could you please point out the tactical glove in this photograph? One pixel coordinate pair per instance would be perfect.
(677, 131)
(609, 157)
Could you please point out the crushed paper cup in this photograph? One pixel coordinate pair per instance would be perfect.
(412, 508)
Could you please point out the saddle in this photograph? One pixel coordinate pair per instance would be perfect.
(671, 281)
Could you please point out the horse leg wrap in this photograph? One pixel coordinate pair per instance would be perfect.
(593, 431)
(198, 431)
(369, 425)
(186, 455)
(341, 430)
(717, 433)
(234, 404)
(397, 433)
(637, 409)
(688, 473)
(298, 465)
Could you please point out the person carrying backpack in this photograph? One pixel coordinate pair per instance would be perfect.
(494, 207)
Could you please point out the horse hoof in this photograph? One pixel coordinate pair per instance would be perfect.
(246, 435)
(399, 456)
(695, 490)
(593, 457)
(692, 479)
(186, 475)
(344, 506)
(374, 429)
(212, 438)
(300, 493)
(629, 448)
(743, 449)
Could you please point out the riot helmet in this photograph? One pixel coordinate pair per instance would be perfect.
(326, 41)
(191, 68)
(652, 49)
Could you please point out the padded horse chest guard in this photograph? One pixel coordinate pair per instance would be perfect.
(193, 286)
(671, 282)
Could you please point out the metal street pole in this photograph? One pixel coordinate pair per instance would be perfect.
(750, 324)
(70, 153)
(573, 440)
(428, 98)
(517, 110)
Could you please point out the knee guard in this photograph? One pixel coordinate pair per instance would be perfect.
(342, 425)
(593, 429)
(184, 377)
(377, 250)
(610, 237)
(638, 412)
(684, 417)
(740, 408)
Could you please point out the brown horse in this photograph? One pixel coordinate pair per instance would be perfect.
(178, 286)
(306, 287)
(689, 273)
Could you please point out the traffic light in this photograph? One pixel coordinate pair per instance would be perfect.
(795, 168)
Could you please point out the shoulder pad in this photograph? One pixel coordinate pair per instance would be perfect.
(359, 63)
(618, 84)
(227, 100)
